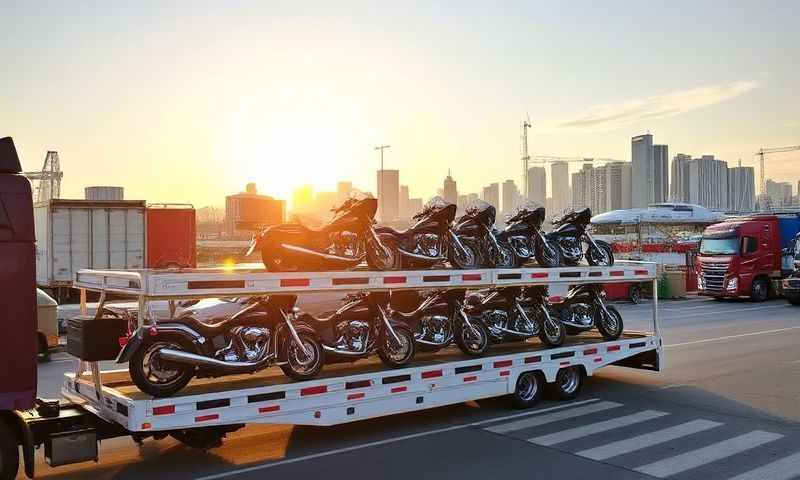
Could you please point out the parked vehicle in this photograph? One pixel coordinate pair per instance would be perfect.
(791, 284)
(171, 236)
(361, 327)
(47, 324)
(747, 256)
(523, 233)
(572, 235)
(439, 318)
(163, 358)
(584, 308)
(516, 313)
(432, 239)
(476, 228)
(344, 242)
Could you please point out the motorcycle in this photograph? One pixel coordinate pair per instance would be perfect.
(584, 308)
(439, 319)
(344, 242)
(476, 226)
(432, 240)
(517, 313)
(523, 233)
(572, 233)
(361, 327)
(264, 331)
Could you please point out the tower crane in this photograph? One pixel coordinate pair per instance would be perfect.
(766, 151)
(48, 178)
(553, 158)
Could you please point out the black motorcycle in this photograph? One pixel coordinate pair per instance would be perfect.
(361, 327)
(344, 242)
(584, 308)
(432, 240)
(163, 358)
(517, 313)
(572, 234)
(438, 319)
(523, 233)
(476, 227)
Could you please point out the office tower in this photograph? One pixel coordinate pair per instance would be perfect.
(660, 173)
(741, 189)
(403, 203)
(491, 195)
(679, 183)
(537, 185)
(780, 193)
(248, 212)
(449, 190)
(642, 192)
(388, 195)
(511, 196)
(599, 190)
(583, 183)
(561, 193)
(461, 203)
(708, 182)
(618, 186)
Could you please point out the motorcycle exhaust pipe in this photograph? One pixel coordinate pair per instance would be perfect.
(580, 326)
(433, 344)
(423, 258)
(179, 356)
(514, 332)
(294, 249)
(344, 353)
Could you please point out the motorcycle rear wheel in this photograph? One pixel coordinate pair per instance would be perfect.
(155, 378)
(466, 260)
(395, 357)
(275, 264)
(604, 257)
(610, 329)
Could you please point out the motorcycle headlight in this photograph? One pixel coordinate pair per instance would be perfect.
(733, 283)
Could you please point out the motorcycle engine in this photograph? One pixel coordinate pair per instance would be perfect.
(527, 325)
(352, 335)
(427, 244)
(521, 245)
(345, 244)
(571, 248)
(495, 321)
(247, 344)
(435, 328)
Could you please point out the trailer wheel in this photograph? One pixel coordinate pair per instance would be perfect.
(568, 384)
(528, 391)
(9, 452)
(200, 438)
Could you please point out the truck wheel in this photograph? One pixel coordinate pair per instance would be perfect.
(9, 453)
(528, 391)
(44, 349)
(568, 384)
(759, 291)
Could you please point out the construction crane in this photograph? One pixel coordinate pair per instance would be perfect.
(766, 151)
(48, 179)
(526, 124)
(553, 159)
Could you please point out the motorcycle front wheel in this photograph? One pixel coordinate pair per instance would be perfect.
(155, 377)
(505, 258)
(464, 260)
(303, 365)
(473, 343)
(602, 255)
(610, 326)
(386, 258)
(394, 355)
(548, 254)
(551, 331)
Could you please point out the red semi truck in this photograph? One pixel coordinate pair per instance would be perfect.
(747, 256)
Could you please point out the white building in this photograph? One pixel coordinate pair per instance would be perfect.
(741, 189)
(641, 170)
(561, 193)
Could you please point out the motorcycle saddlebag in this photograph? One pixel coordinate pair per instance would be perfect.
(94, 339)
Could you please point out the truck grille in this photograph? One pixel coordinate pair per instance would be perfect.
(714, 274)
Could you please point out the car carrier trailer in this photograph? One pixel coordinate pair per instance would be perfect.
(104, 404)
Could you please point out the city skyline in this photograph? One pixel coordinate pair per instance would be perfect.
(212, 97)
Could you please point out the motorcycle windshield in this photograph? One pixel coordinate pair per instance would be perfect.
(524, 210)
(482, 210)
(434, 205)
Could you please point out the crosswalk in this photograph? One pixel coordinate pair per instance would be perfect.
(661, 444)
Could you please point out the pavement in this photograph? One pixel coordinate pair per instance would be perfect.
(727, 405)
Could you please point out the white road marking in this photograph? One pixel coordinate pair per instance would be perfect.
(717, 312)
(552, 417)
(784, 469)
(728, 337)
(265, 466)
(639, 442)
(598, 427)
(711, 453)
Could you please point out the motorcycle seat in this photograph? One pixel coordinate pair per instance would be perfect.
(207, 328)
(392, 231)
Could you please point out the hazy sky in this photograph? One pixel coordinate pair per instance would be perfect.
(187, 101)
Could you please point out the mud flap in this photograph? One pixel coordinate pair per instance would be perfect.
(648, 360)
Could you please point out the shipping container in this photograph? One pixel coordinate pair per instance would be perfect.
(76, 234)
(171, 236)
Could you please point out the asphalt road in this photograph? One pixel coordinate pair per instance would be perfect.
(727, 405)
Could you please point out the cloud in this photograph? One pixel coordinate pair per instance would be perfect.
(657, 106)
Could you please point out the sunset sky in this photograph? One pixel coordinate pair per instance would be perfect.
(188, 101)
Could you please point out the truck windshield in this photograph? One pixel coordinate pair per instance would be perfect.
(719, 246)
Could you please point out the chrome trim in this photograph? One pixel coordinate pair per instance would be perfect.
(295, 336)
(326, 256)
(180, 356)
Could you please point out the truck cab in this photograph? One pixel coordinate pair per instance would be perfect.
(743, 256)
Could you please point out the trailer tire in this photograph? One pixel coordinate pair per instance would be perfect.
(759, 290)
(568, 384)
(9, 452)
(200, 438)
(528, 390)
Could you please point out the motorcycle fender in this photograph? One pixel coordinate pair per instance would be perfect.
(134, 343)
(286, 335)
